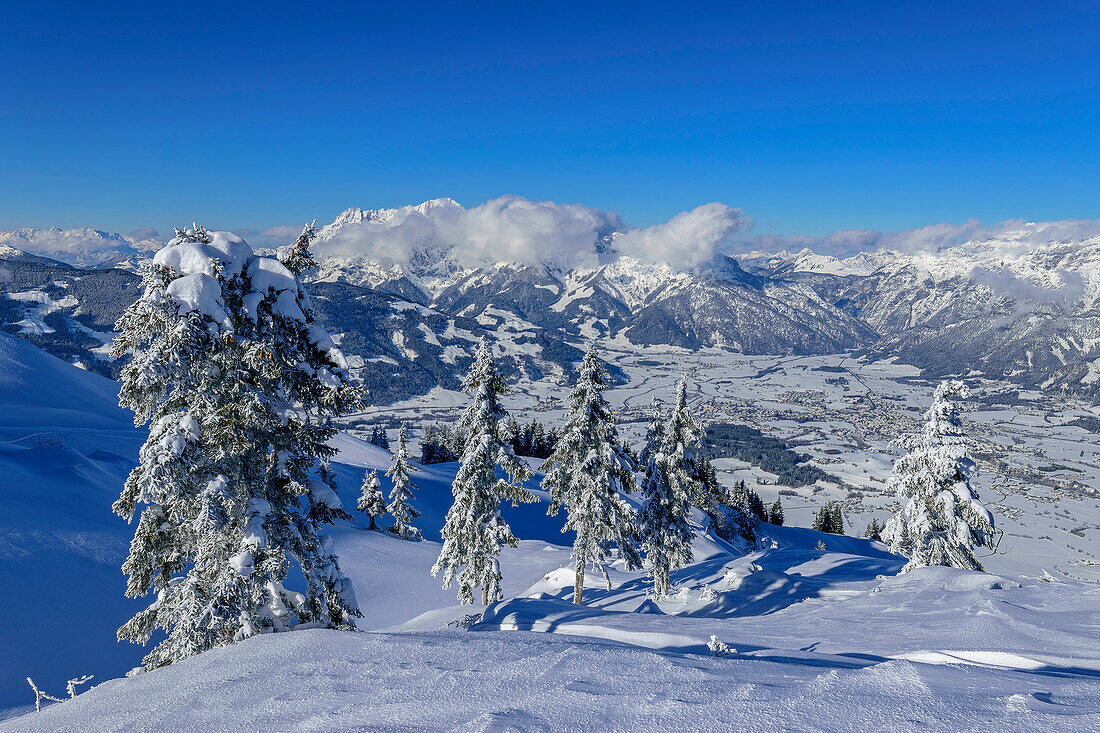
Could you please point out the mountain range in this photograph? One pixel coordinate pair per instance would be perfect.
(407, 297)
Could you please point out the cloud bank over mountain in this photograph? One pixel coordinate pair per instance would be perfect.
(509, 228)
(517, 229)
(931, 238)
(688, 239)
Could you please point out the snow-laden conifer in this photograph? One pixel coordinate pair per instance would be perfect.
(587, 474)
(379, 438)
(682, 438)
(942, 521)
(403, 513)
(238, 384)
(829, 518)
(668, 488)
(371, 500)
(711, 494)
(775, 513)
(474, 531)
(874, 530)
(654, 431)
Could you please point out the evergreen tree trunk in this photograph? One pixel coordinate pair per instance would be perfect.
(578, 584)
(485, 595)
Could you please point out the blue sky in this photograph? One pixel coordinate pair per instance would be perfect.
(812, 117)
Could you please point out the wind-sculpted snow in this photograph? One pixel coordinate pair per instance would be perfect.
(643, 672)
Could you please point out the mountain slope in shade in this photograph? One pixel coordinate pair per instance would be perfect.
(40, 391)
(1016, 308)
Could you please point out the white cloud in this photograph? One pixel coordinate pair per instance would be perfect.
(1006, 283)
(509, 228)
(689, 239)
(515, 229)
(282, 231)
(512, 228)
(1025, 236)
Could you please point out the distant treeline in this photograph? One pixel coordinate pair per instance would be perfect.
(732, 440)
(441, 444)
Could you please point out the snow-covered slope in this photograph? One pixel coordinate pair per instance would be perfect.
(65, 449)
(821, 638)
(817, 640)
(478, 680)
(40, 392)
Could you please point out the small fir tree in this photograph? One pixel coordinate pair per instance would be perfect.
(379, 438)
(654, 432)
(829, 519)
(942, 521)
(587, 473)
(474, 531)
(874, 530)
(743, 517)
(371, 501)
(668, 488)
(434, 446)
(756, 505)
(775, 514)
(711, 493)
(403, 513)
(239, 385)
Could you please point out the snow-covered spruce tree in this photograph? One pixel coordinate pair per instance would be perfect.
(587, 473)
(474, 531)
(378, 437)
(829, 519)
(428, 445)
(874, 530)
(942, 521)
(668, 488)
(371, 500)
(775, 513)
(654, 432)
(399, 507)
(837, 518)
(708, 492)
(238, 384)
(682, 441)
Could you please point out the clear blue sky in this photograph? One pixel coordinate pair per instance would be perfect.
(812, 117)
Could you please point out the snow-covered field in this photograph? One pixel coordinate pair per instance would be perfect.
(821, 639)
(1040, 474)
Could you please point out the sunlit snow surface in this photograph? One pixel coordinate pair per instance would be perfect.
(822, 639)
